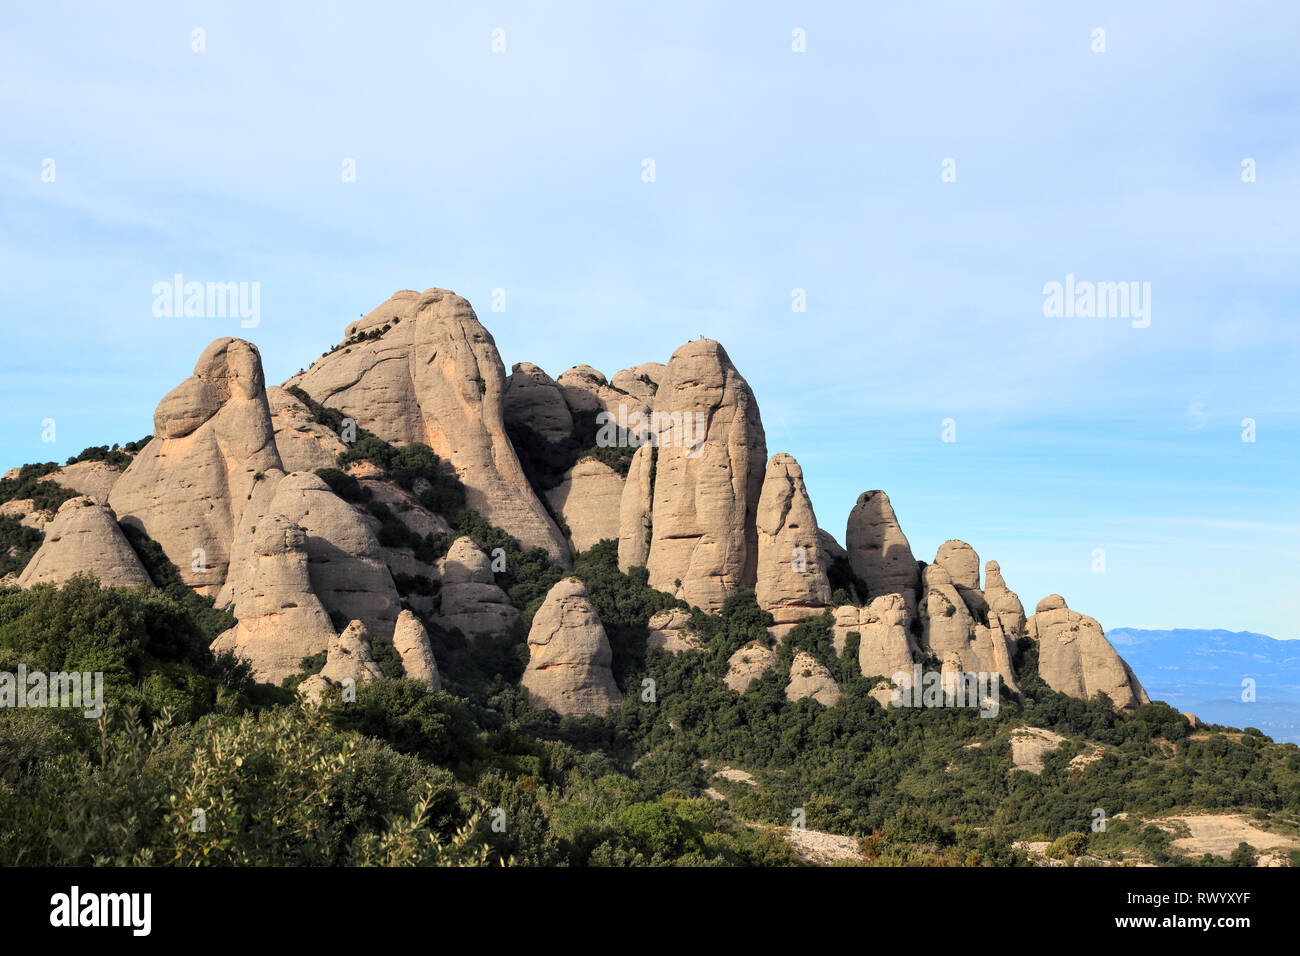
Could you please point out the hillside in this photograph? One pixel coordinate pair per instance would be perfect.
(448, 615)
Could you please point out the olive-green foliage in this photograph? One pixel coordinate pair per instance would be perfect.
(45, 495)
(17, 545)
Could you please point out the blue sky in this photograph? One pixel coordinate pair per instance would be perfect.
(775, 170)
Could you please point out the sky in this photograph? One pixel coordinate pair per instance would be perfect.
(921, 171)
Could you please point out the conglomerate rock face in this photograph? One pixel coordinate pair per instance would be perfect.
(84, 538)
(878, 550)
(187, 489)
(1075, 658)
(569, 667)
(709, 469)
(791, 575)
(421, 368)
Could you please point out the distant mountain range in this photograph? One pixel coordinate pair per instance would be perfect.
(1201, 672)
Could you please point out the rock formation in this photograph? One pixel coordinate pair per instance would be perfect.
(668, 630)
(303, 444)
(589, 499)
(963, 566)
(1075, 658)
(884, 645)
(471, 601)
(84, 538)
(187, 488)
(94, 479)
(411, 641)
(948, 628)
(634, 511)
(1003, 603)
(709, 471)
(349, 657)
(810, 678)
(569, 655)
(421, 368)
(641, 382)
(534, 402)
(791, 575)
(747, 665)
(281, 620)
(878, 550)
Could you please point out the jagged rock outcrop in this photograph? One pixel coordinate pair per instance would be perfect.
(879, 552)
(349, 657)
(187, 489)
(1075, 658)
(641, 382)
(810, 678)
(534, 402)
(1003, 603)
(303, 444)
(948, 628)
(83, 538)
(569, 666)
(963, 566)
(587, 390)
(668, 630)
(411, 641)
(589, 499)
(471, 600)
(281, 620)
(422, 368)
(791, 574)
(346, 564)
(634, 510)
(710, 462)
(94, 479)
(747, 665)
(884, 647)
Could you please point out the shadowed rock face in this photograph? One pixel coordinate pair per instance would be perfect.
(436, 377)
(707, 485)
(634, 511)
(534, 402)
(569, 655)
(1075, 658)
(879, 552)
(188, 488)
(588, 498)
(84, 538)
(791, 576)
(281, 621)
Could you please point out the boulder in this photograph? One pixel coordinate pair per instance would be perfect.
(349, 657)
(187, 489)
(411, 641)
(810, 678)
(641, 382)
(589, 498)
(303, 444)
(421, 368)
(471, 600)
(83, 538)
(747, 665)
(668, 630)
(963, 566)
(1075, 658)
(791, 574)
(710, 463)
(879, 552)
(281, 620)
(634, 511)
(534, 402)
(569, 655)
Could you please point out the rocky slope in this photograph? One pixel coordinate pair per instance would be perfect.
(227, 488)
